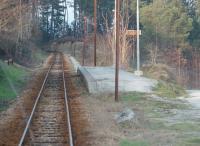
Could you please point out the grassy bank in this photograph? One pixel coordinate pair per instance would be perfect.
(170, 90)
(12, 80)
(167, 81)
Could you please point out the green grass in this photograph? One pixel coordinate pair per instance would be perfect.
(133, 143)
(195, 140)
(185, 127)
(156, 125)
(170, 90)
(133, 96)
(12, 80)
(190, 142)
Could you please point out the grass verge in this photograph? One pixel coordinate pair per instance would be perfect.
(132, 96)
(194, 140)
(133, 143)
(185, 127)
(12, 79)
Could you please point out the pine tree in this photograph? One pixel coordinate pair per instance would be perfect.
(53, 18)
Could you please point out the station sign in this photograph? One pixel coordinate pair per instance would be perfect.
(132, 32)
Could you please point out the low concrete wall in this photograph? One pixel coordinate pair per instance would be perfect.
(75, 63)
(90, 82)
(102, 79)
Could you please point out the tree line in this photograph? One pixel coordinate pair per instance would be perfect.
(170, 31)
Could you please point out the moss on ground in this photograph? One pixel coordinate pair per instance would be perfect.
(133, 143)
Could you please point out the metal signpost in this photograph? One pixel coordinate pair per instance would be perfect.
(138, 72)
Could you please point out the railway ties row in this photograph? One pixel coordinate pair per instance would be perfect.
(49, 122)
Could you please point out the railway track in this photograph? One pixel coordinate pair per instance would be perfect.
(49, 123)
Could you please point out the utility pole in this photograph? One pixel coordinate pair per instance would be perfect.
(114, 57)
(20, 19)
(84, 45)
(95, 32)
(138, 37)
(75, 19)
(117, 11)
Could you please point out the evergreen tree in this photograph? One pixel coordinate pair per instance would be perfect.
(52, 18)
(104, 9)
(45, 15)
(166, 20)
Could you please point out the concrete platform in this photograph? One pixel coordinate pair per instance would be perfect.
(102, 79)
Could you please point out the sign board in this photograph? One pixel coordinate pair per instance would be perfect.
(132, 32)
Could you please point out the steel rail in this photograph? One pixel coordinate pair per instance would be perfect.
(67, 106)
(34, 108)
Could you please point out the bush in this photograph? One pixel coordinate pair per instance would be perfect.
(159, 72)
(170, 90)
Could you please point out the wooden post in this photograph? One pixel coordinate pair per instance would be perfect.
(117, 50)
(84, 45)
(95, 32)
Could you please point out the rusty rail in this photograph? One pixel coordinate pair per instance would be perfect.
(67, 106)
(34, 108)
(70, 136)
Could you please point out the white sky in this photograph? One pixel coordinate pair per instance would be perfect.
(70, 11)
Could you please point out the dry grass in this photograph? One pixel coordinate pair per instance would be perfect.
(104, 51)
(159, 72)
(79, 118)
(103, 128)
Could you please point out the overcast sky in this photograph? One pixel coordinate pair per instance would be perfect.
(70, 11)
